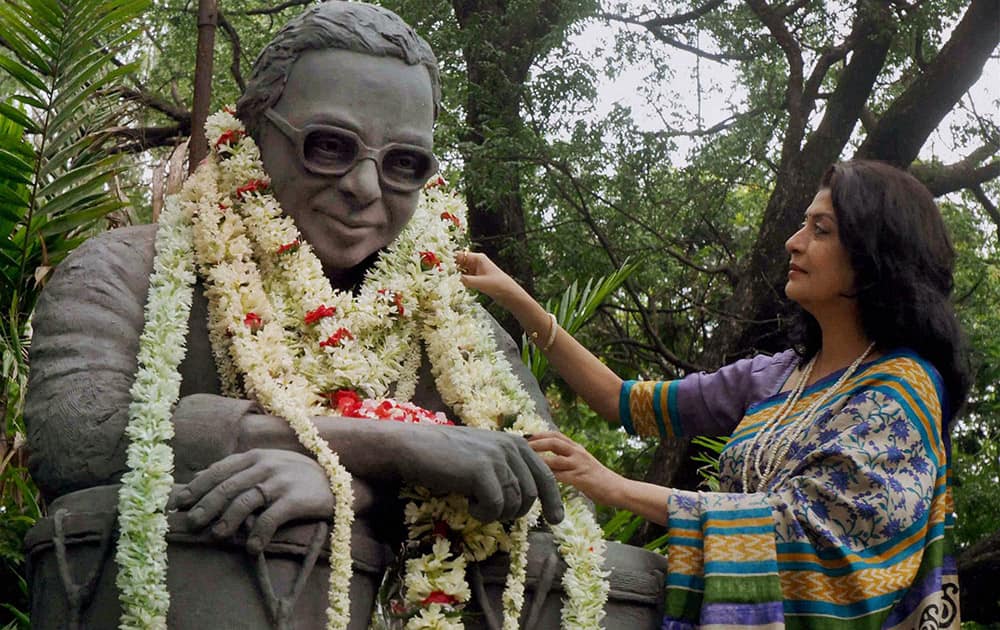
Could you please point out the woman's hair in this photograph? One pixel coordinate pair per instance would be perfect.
(903, 260)
(353, 26)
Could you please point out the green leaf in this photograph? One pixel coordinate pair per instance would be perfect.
(28, 100)
(74, 197)
(66, 105)
(22, 39)
(36, 18)
(85, 171)
(10, 171)
(574, 309)
(17, 116)
(71, 222)
(24, 76)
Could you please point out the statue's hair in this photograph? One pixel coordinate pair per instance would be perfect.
(336, 25)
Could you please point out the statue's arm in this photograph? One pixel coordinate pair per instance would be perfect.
(85, 339)
(499, 472)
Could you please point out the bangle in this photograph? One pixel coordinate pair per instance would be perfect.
(553, 329)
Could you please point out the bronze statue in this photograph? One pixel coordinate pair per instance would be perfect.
(244, 482)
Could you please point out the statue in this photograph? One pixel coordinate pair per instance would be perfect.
(244, 483)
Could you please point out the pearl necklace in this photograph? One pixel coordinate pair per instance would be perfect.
(767, 469)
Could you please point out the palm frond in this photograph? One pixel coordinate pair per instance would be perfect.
(574, 308)
(55, 169)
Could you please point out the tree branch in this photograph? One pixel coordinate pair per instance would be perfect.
(660, 34)
(942, 179)
(278, 8)
(714, 129)
(139, 139)
(873, 32)
(152, 101)
(914, 114)
(797, 116)
(988, 206)
(672, 20)
(234, 40)
(578, 202)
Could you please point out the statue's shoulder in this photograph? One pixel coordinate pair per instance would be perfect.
(131, 243)
(118, 260)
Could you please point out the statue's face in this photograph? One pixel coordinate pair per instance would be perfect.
(382, 100)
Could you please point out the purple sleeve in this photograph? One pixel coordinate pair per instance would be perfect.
(702, 403)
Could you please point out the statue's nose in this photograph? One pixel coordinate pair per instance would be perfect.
(361, 182)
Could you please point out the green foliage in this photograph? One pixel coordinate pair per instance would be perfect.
(574, 309)
(976, 437)
(60, 58)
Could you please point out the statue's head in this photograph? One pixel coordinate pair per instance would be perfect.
(342, 103)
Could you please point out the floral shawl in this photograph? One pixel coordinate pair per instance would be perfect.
(853, 531)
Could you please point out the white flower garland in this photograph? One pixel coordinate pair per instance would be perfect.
(142, 547)
(275, 320)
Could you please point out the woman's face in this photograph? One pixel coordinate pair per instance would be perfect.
(819, 272)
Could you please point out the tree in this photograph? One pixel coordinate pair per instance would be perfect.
(56, 186)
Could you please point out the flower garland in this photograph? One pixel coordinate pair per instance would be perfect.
(142, 547)
(282, 335)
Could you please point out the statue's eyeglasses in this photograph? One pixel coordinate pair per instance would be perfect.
(331, 150)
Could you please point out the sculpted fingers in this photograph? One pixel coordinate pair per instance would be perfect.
(214, 502)
(524, 479)
(239, 510)
(212, 476)
(487, 499)
(545, 486)
(266, 525)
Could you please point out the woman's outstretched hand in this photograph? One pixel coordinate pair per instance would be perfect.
(482, 274)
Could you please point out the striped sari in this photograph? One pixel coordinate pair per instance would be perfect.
(853, 531)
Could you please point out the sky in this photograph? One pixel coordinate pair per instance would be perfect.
(720, 88)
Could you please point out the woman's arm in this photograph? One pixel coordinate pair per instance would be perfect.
(583, 372)
(572, 464)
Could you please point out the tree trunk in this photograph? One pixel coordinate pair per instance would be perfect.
(208, 17)
(978, 567)
(501, 42)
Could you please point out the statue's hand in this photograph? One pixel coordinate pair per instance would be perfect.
(280, 485)
(498, 472)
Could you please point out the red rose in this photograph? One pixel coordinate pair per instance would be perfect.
(384, 410)
(289, 247)
(319, 313)
(253, 322)
(345, 401)
(229, 137)
(434, 183)
(447, 216)
(254, 185)
(441, 529)
(336, 338)
(397, 298)
(439, 597)
(429, 260)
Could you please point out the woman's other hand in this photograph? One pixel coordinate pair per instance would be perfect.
(573, 464)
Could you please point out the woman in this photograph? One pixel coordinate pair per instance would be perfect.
(835, 509)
